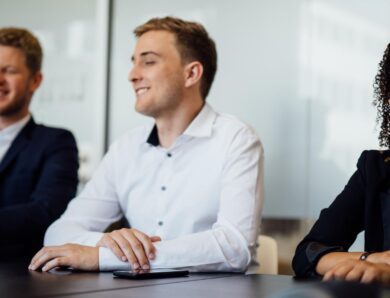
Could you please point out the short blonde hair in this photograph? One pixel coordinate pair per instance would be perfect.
(193, 43)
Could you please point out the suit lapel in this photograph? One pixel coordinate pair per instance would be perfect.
(21, 141)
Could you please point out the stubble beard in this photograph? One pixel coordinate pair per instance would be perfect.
(15, 106)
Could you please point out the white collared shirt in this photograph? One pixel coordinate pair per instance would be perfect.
(202, 196)
(9, 134)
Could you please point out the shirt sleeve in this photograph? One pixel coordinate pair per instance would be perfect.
(91, 212)
(337, 227)
(230, 243)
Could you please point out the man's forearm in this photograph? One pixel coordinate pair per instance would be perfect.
(61, 232)
(205, 251)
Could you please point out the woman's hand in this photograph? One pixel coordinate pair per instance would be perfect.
(361, 271)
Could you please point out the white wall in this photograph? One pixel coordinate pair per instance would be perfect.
(70, 95)
(257, 80)
(299, 71)
(347, 42)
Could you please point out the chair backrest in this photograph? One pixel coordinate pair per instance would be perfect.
(267, 255)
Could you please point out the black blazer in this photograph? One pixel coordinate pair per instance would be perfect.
(363, 205)
(38, 177)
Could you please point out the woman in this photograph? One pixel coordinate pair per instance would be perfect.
(363, 205)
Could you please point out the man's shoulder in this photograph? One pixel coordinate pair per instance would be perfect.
(233, 125)
(41, 140)
(40, 131)
(50, 129)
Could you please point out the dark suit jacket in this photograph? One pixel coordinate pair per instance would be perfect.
(363, 205)
(38, 177)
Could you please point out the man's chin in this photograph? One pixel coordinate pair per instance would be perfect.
(144, 111)
(13, 107)
(5, 111)
(10, 110)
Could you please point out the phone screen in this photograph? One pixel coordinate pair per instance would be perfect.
(148, 274)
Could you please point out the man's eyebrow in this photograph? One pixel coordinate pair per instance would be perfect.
(143, 54)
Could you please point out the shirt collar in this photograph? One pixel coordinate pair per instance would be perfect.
(153, 137)
(201, 126)
(10, 132)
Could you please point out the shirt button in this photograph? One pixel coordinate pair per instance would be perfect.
(169, 154)
(163, 188)
(160, 223)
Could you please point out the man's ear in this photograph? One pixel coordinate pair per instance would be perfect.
(193, 73)
(36, 80)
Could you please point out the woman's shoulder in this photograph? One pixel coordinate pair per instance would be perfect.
(381, 156)
(375, 161)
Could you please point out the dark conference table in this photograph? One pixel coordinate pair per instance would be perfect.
(17, 281)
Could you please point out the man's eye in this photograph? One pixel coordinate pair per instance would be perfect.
(150, 62)
(10, 70)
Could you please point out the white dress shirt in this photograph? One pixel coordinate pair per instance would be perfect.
(8, 135)
(202, 196)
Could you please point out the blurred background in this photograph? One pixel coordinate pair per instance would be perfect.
(300, 72)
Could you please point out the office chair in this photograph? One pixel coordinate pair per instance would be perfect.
(267, 255)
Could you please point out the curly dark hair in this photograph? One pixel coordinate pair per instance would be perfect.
(382, 98)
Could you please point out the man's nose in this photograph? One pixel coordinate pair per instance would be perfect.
(134, 74)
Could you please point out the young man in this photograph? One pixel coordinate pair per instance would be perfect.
(190, 186)
(38, 164)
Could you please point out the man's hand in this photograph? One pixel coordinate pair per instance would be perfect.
(69, 255)
(131, 245)
(363, 271)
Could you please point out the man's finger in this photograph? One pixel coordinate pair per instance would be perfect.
(149, 248)
(56, 262)
(138, 249)
(108, 242)
(39, 254)
(47, 254)
(36, 257)
(126, 248)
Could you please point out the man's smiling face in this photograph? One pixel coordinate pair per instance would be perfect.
(17, 84)
(157, 74)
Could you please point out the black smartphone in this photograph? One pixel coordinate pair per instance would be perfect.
(148, 274)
